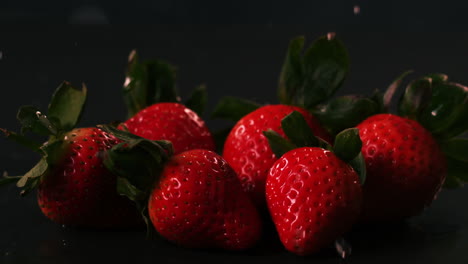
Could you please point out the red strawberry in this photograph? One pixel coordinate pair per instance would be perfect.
(173, 122)
(78, 185)
(405, 165)
(79, 190)
(313, 198)
(198, 202)
(155, 114)
(247, 151)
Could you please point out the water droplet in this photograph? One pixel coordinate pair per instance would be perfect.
(64, 226)
(64, 242)
(356, 10)
(343, 248)
(331, 35)
(434, 113)
(127, 81)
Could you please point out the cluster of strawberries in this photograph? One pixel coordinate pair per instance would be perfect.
(313, 165)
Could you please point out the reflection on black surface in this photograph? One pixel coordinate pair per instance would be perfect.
(434, 237)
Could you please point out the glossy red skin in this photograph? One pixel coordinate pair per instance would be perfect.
(313, 198)
(80, 191)
(173, 122)
(247, 150)
(405, 167)
(199, 203)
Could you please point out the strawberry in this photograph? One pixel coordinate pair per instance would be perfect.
(412, 155)
(78, 190)
(155, 111)
(247, 151)
(307, 79)
(173, 122)
(406, 167)
(198, 202)
(78, 184)
(313, 195)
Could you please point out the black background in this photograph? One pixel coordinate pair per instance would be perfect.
(236, 48)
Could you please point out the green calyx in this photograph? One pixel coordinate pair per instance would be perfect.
(349, 110)
(347, 145)
(137, 162)
(312, 76)
(441, 107)
(154, 81)
(63, 114)
(307, 78)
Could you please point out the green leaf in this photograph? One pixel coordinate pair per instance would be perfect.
(30, 185)
(377, 98)
(416, 98)
(5, 180)
(198, 99)
(392, 88)
(312, 78)
(124, 187)
(278, 144)
(66, 106)
(35, 172)
(298, 131)
(148, 83)
(22, 140)
(292, 72)
(55, 152)
(348, 144)
(345, 112)
(460, 125)
(437, 77)
(447, 110)
(457, 173)
(359, 165)
(233, 108)
(326, 65)
(138, 160)
(456, 148)
(35, 121)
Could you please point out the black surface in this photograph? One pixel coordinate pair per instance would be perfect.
(231, 60)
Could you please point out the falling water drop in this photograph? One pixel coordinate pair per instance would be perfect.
(131, 56)
(356, 10)
(127, 81)
(331, 35)
(343, 248)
